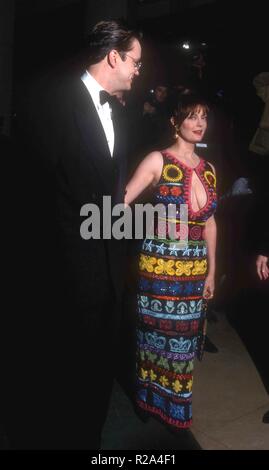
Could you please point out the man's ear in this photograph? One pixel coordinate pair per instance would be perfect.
(172, 120)
(112, 57)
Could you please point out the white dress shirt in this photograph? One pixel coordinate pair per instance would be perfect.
(104, 111)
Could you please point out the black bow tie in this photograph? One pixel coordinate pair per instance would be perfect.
(105, 97)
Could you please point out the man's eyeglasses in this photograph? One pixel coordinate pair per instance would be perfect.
(137, 64)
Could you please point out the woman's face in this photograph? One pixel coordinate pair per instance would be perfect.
(194, 126)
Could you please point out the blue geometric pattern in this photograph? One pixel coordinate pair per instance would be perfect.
(143, 394)
(158, 401)
(177, 411)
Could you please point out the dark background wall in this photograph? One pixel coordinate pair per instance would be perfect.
(49, 31)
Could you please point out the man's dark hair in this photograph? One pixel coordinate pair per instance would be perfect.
(108, 35)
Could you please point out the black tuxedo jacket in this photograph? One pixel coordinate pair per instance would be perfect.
(74, 167)
(75, 282)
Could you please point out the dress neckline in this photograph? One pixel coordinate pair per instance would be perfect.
(176, 160)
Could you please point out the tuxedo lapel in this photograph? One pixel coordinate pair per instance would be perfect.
(118, 124)
(119, 154)
(93, 135)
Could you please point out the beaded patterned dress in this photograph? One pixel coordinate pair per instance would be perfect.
(170, 307)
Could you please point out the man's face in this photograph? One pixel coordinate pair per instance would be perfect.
(128, 67)
(160, 93)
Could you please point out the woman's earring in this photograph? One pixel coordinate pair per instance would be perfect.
(172, 120)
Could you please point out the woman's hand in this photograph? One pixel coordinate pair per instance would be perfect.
(262, 267)
(209, 287)
(210, 238)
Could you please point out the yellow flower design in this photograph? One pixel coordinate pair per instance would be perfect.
(153, 376)
(146, 263)
(177, 386)
(144, 373)
(165, 267)
(164, 381)
(184, 267)
(189, 385)
(199, 267)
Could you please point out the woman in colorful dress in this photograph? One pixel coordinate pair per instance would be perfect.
(175, 280)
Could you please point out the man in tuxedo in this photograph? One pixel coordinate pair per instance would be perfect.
(64, 349)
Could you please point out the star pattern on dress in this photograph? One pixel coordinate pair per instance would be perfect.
(187, 252)
(196, 251)
(148, 246)
(173, 250)
(160, 249)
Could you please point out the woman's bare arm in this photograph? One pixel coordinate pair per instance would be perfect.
(148, 173)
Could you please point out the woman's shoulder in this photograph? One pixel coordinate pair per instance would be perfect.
(155, 154)
(153, 164)
(154, 157)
